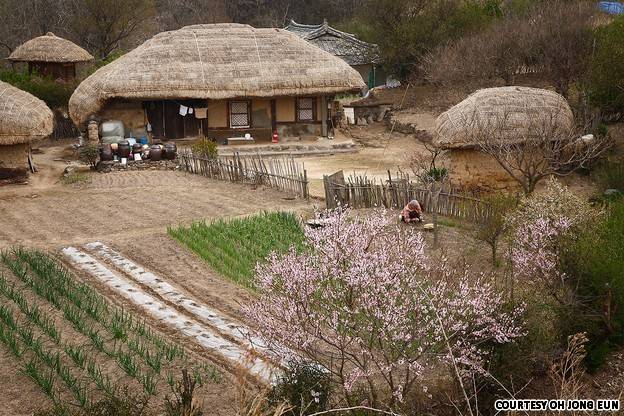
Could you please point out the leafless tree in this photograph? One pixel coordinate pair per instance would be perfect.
(430, 172)
(564, 40)
(499, 52)
(553, 39)
(21, 20)
(174, 14)
(541, 147)
(105, 25)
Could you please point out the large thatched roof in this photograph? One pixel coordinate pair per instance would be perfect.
(49, 48)
(215, 62)
(23, 117)
(504, 114)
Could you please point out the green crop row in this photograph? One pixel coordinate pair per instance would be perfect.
(84, 309)
(234, 247)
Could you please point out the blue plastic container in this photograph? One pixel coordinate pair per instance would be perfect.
(611, 7)
(143, 140)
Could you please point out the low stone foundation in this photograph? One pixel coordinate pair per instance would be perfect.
(112, 166)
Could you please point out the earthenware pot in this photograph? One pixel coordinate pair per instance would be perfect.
(155, 153)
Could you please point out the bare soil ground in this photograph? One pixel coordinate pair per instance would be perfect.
(379, 152)
(129, 211)
(123, 205)
(20, 396)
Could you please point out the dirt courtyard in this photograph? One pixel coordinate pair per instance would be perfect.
(379, 151)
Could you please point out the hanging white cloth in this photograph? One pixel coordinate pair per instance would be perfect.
(190, 110)
(183, 110)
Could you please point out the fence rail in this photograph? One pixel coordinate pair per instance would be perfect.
(363, 192)
(284, 173)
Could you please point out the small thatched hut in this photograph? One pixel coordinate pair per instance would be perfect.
(23, 118)
(497, 116)
(50, 55)
(218, 81)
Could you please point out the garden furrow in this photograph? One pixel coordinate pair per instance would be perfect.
(173, 294)
(187, 325)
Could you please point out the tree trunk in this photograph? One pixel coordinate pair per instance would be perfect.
(494, 246)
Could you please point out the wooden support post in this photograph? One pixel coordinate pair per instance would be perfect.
(324, 115)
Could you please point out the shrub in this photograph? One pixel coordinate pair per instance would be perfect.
(554, 36)
(539, 230)
(305, 386)
(182, 403)
(205, 148)
(610, 174)
(491, 223)
(607, 67)
(89, 155)
(54, 94)
(554, 203)
(595, 264)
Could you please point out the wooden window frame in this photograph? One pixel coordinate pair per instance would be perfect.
(314, 105)
(229, 114)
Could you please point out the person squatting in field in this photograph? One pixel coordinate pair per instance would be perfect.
(412, 212)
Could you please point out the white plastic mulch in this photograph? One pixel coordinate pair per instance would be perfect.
(188, 325)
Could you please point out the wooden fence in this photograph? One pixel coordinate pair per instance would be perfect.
(283, 173)
(363, 192)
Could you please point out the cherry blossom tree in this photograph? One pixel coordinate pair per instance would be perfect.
(366, 302)
(540, 227)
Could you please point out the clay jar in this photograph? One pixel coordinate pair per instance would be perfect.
(106, 153)
(123, 149)
(155, 152)
(170, 151)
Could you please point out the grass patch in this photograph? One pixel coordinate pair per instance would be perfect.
(234, 247)
(76, 178)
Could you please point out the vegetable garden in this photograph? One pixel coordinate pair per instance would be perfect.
(234, 247)
(76, 345)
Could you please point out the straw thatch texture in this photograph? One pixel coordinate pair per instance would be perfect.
(49, 48)
(504, 114)
(217, 61)
(23, 117)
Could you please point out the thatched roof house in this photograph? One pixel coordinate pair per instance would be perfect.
(238, 77)
(23, 119)
(497, 115)
(362, 56)
(51, 55)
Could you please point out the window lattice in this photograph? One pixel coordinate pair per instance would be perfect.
(306, 109)
(239, 114)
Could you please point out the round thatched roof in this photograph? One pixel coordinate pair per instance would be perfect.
(217, 61)
(504, 114)
(23, 117)
(50, 48)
